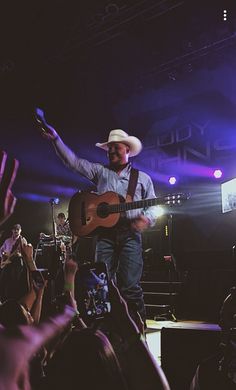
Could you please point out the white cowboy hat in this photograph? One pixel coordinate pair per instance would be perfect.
(118, 135)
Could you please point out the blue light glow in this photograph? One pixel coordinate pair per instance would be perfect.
(33, 197)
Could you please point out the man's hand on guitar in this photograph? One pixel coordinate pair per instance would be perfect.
(46, 130)
(141, 223)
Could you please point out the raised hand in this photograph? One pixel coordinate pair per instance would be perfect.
(27, 252)
(120, 313)
(70, 270)
(17, 349)
(7, 176)
(46, 130)
(71, 267)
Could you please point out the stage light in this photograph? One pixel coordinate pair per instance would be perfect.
(172, 180)
(159, 211)
(217, 173)
(225, 15)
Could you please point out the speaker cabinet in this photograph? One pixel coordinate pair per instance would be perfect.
(182, 350)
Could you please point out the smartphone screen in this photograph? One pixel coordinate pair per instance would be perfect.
(93, 295)
(38, 278)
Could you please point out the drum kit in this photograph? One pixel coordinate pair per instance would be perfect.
(48, 246)
(51, 250)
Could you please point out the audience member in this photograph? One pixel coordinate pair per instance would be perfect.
(27, 310)
(138, 365)
(12, 314)
(17, 348)
(87, 358)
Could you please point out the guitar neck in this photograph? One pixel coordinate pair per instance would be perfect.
(168, 200)
(139, 204)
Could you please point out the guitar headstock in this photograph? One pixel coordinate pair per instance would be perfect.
(176, 199)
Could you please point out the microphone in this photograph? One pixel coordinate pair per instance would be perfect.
(54, 201)
(40, 119)
(39, 116)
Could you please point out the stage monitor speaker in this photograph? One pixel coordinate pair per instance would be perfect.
(182, 350)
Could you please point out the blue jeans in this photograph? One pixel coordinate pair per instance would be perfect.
(121, 250)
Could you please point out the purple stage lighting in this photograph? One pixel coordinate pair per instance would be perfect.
(217, 173)
(172, 180)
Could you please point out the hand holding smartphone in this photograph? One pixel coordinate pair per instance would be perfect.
(47, 131)
(38, 278)
(93, 295)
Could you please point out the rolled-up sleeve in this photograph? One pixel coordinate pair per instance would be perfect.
(149, 193)
(84, 167)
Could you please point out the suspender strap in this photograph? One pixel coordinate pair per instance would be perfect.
(133, 179)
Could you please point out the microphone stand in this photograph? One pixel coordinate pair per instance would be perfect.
(52, 203)
(170, 261)
(53, 272)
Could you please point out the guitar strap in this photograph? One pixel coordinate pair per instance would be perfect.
(133, 180)
(16, 245)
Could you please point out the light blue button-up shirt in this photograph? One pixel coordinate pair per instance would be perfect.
(106, 179)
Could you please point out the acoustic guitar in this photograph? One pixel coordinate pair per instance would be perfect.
(6, 258)
(89, 211)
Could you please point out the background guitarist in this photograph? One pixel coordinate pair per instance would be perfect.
(120, 246)
(13, 270)
(12, 245)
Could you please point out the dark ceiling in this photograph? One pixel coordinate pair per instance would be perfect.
(150, 67)
(80, 59)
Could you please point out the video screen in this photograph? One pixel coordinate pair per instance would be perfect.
(228, 195)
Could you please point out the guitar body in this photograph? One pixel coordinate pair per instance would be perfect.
(87, 212)
(6, 259)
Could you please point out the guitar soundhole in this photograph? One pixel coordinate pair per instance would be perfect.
(103, 210)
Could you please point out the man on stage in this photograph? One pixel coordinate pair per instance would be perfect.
(120, 246)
